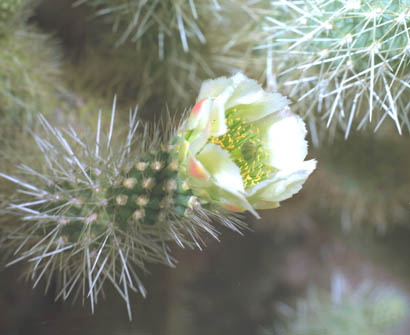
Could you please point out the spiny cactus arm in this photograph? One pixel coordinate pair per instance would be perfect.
(354, 58)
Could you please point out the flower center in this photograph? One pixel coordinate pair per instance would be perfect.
(244, 144)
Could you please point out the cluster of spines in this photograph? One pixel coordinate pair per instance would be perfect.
(165, 18)
(164, 37)
(354, 58)
(77, 207)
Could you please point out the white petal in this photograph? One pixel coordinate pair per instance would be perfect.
(212, 88)
(239, 78)
(246, 91)
(251, 101)
(285, 140)
(218, 125)
(220, 165)
(265, 105)
(282, 186)
(226, 176)
(200, 140)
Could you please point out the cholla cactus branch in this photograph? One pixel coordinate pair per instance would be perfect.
(102, 210)
(165, 19)
(365, 309)
(29, 71)
(8, 10)
(355, 58)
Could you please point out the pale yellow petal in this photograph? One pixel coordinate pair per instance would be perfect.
(267, 104)
(220, 165)
(226, 177)
(283, 185)
(212, 88)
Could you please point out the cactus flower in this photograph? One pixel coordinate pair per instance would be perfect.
(241, 147)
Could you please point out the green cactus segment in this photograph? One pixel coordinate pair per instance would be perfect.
(149, 190)
(80, 210)
(29, 81)
(380, 26)
(348, 31)
(349, 57)
(389, 309)
(148, 194)
(366, 310)
(8, 8)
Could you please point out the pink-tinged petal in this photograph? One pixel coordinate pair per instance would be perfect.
(196, 170)
(236, 201)
(198, 107)
(199, 118)
(225, 175)
(230, 206)
(221, 167)
(232, 200)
